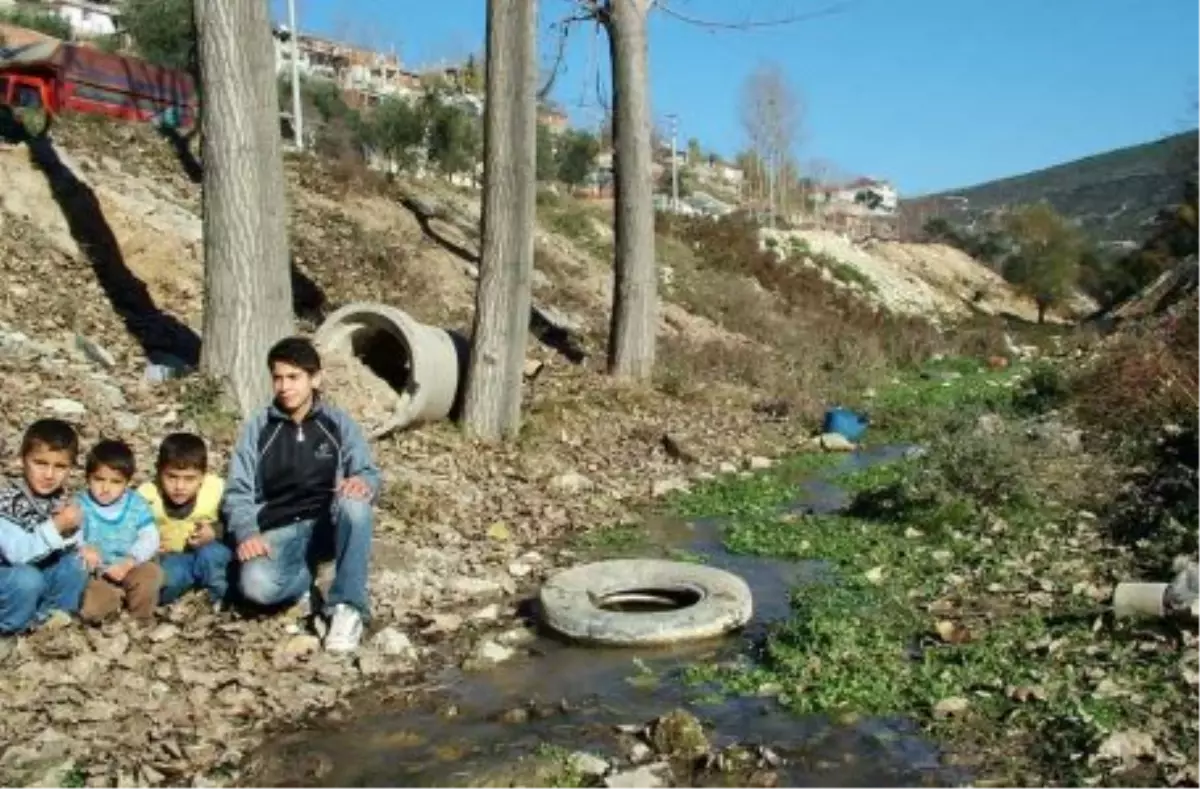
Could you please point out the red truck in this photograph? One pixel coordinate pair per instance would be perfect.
(52, 76)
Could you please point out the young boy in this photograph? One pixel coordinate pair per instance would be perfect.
(40, 570)
(186, 501)
(119, 536)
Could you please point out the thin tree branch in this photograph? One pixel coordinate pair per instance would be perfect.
(749, 24)
(585, 14)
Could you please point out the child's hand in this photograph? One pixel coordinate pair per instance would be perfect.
(118, 571)
(90, 556)
(67, 518)
(202, 535)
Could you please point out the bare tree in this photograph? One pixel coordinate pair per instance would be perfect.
(247, 283)
(492, 408)
(633, 323)
(771, 118)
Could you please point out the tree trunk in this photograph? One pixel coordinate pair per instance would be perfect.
(247, 282)
(634, 321)
(492, 407)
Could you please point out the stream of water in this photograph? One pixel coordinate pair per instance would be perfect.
(573, 697)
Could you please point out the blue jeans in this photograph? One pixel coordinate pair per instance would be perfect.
(206, 568)
(30, 592)
(287, 574)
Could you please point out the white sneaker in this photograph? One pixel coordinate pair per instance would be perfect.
(345, 629)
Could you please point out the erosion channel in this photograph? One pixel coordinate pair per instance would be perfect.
(518, 724)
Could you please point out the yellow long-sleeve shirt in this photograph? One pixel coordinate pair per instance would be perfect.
(174, 532)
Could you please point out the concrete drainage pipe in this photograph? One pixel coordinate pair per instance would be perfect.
(424, 364)
(645, 602)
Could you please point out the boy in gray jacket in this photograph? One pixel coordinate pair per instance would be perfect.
(301, 485)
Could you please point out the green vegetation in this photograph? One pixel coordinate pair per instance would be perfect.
(37, 19)
(968, 593)
(163, 32)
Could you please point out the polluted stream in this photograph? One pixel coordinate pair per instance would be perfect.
(481, 727)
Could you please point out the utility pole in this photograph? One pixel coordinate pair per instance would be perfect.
(297, 121)
(674, 161)
(771, 191)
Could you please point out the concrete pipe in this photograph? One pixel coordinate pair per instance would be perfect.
(424, 364)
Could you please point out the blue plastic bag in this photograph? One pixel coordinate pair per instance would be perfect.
(846, 423)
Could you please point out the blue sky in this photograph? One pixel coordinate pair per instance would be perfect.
(932, 94)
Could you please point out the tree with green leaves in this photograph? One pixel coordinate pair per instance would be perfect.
(1045, 260)
(472, 76)
(577, 151)
(455, 140)
(695, 155)
(395, 129)
(547, 166)
(163, 32)
(39, 19)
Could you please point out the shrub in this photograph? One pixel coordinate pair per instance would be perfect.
(37, 19)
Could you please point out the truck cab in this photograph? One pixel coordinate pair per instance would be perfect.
(30, 97)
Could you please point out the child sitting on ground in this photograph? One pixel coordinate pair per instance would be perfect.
(119, 536)
(186, 501)
(40, 570)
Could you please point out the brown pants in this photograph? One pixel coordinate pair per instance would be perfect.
(139, 591)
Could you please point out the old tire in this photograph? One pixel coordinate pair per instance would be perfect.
(571, 602)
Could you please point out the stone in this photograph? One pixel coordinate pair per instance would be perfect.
(662, 487)
(127, 422)
(516, 636)
(303, 644)
(587, 764)
(489, 651)
(946, 708)
(570, 482)
(164, 632)
(63, 406)
(759, 463)
(519, 569)
(489, 613)
(533, 367)
(95, 352)
(650, 776)
(475, 587)
(989, 424)
(390, 641)
(835, 442)
(727, 468)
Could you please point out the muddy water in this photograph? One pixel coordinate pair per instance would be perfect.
(572, 697)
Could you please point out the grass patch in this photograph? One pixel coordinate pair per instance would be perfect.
(968, 598)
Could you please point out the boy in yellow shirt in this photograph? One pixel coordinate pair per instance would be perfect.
(186, 502)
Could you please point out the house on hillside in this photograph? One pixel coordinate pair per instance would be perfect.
(88, 18)
(862, 197)
(553, 119)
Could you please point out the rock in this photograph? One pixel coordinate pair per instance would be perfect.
(516, 636)
(64, 407)
(662, 487)
(759, 463)
(989, 424)
(489, 651)
(393, 643)
(649, 776)
(678, 733)
(127, 422)
(164, 632)
(835, 442)
(303, 644)
(639, 752)
(950, 707)
(532, 368)
(111, 395)
(95, 352)
(519, 569)
(587, 764)
(438, 624)
(727, 468)
(499, 532)
(1058, 436)
(570, 482)
(489, 613)
(475, 587)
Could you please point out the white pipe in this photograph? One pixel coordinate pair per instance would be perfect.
(297, 120)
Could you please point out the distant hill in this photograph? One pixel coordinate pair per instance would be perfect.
(1112, 195)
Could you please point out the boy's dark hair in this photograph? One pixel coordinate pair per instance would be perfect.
(53, 434)
(116, 455)
(296, 351)
(183, 451)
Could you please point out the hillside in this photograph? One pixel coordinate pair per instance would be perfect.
(1112, 195)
